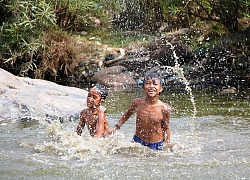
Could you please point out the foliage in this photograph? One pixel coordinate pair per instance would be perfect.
(56, 60)
(72, 14)
(21, 31)
(145, 15)
(225, 12)
(118, 38)
(35, 38)
(149, 14)
(25, 24)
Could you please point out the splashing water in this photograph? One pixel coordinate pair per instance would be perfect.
(180, 72)
(61, 140)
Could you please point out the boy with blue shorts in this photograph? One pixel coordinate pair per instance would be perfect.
(152, 115)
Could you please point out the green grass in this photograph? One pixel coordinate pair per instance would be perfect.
(117, 39)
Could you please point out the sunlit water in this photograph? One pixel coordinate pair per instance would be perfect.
(217, 148)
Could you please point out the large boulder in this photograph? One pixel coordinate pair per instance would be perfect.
(118, 81)
(165, 40)
(137, 65)
(25, 98)
(115, 77)
(231, 90)
(107, 71)
(168, 54)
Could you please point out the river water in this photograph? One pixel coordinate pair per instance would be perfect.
(213, 145)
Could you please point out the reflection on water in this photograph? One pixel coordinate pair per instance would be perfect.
(41, 150)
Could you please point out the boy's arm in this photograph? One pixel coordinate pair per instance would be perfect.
(100, 125)
(126, 115)
(81, 124)
(165, 124)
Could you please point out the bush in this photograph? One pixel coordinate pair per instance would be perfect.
(21, 32)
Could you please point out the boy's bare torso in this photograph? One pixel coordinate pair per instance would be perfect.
(91, 121)
(149, 120)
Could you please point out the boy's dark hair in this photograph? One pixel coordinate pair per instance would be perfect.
(153, 76)
(101, 89)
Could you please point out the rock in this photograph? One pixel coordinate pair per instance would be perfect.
(118, 81)
(122, 51)
(24, 98)
(106, 71)
(164, 71)
(140, 58)
(131, 63)
(115, 77)
(231, 90)
(109, 57)
(166, 39)
(165, 54)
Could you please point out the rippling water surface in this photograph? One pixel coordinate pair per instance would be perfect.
(213, 145)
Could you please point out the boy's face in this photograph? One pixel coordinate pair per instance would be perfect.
(94, 99)
(152, 88)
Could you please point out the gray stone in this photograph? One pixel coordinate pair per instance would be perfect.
(107, 71)
(118, 81)
(25, 98)
(231, 90)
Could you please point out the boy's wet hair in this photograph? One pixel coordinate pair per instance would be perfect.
(101, 89)
(153, 76)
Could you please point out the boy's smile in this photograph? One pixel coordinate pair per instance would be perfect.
(152, 87)
(151, 90)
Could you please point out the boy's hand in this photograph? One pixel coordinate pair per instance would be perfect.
(110, 132)
(107, 133)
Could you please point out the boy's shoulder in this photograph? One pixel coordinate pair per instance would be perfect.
(138, 100)
(166, 106)
(84, 110)
(101, 111)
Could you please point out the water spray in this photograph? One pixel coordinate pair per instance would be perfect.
(180, 72)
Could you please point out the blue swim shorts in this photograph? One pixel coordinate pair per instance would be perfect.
(157, 145)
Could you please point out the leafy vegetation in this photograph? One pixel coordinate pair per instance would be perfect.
(21, 32)
(39, 37)
(31, 39)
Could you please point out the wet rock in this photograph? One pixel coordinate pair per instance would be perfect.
(118, 81)
(25, 98)
(107, 71)
(115, 77)
(131, 63)
(109, 57)
(231, 90)
(165, 55)
(165, 39)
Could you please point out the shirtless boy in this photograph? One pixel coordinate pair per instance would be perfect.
(152, 115)
(93, 117)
